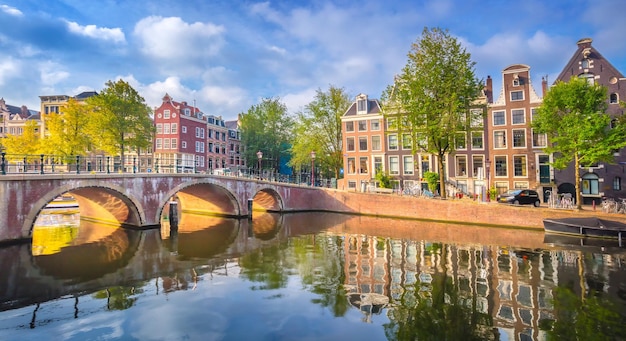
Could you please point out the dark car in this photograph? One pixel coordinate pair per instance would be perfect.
(520, 197)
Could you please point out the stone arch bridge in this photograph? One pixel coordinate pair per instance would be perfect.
(139, 200)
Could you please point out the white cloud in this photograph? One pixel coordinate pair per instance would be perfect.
(9, 67)
(297, 101)
(227, 98)
(11, 10)
(103, 33)
(174, 39)
(51, 73)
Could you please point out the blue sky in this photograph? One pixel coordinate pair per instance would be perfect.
(228, 55)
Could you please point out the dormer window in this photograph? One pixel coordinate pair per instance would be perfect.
(187, 111)
(362, 105)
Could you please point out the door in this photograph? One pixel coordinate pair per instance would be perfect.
(544, 169)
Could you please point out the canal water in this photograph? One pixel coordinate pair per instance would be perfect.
(309, 276)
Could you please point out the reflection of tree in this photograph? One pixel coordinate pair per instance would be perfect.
(589, 318)
(268, 265)
(441, 314)
(118, 298)
(321, 265)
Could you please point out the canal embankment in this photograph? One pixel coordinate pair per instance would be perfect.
(461, 211)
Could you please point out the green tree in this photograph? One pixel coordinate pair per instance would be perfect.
(120, 120)
(573, 117)
(28, 143)
(433, 94)
(266, 127)
(319, 129)
(67, 135)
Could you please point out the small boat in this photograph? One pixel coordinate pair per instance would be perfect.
(587, 227)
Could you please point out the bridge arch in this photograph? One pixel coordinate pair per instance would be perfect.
(268, 199)
(202, 197)
(97, 201)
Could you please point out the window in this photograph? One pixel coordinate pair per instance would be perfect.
(460, 141)
(362, 125)
(518, 116)
(519, 138)
(589, 77)
(407, 164)
(352, 184)
(617, 183)
(378, 163)
(539, 140)
(499, 139)
(376, 143)
(210, 147)
(425, 160)
(392, 123)
(499, 118)
(349, 126)
(591, 184)
(613, 98)
(159, 143)
(166, 143)
(166, 114)
(516, 81)
(476, 119)
(174, 143)
(519, 165)
(394, 166)
(197, 132)
(500, 162)
(174, 128)
(350, 144)
(363, 165)
(361, 105)
(166, 128)
(184, 129)
(375, 124)
(477, 167)
(159, 128)
(477, 140)
(517, 95)
(406, 141)
(363, 143)
(585, 63)
(461, 165)
(351, 166)
(183, 144)
(392, 141)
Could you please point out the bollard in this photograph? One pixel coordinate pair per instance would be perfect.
(250, 202)
(173, 215)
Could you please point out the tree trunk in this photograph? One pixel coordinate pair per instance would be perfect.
(442, 177)
(577, 179)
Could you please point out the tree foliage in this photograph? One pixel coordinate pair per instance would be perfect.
(120, 120)
(573, 117)
(266, 127)
(319, 129)
(433, 94)
(66, 134)
(26, 144)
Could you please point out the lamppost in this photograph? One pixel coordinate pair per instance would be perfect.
(259, 155)
(312, 168)
(488, 166)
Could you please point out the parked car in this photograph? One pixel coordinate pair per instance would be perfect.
(520, 197)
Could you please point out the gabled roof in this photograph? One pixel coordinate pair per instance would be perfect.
(84, 95)
(373, 107)
(585, 50)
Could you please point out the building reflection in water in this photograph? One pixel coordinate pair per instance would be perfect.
(514, 286)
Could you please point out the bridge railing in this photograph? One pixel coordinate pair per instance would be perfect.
(104, 164)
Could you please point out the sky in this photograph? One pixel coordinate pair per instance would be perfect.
(227, 55)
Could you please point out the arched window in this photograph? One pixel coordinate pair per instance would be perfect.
(617, 183)
(591, 184)
(613, 99)
(589, 77)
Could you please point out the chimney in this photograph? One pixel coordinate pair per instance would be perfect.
(544, 85)
(489, 90)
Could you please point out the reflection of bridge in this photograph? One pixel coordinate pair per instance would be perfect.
(130, 257)
(140, 200)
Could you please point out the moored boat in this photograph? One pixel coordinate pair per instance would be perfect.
(588, 227)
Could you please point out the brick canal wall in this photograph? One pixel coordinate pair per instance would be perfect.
(463, 211)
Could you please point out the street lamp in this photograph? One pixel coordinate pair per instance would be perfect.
(312, 168)
(259, 155)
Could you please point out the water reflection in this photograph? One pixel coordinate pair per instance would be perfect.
(323, 276)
